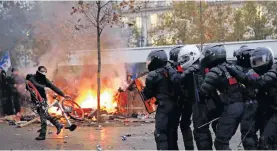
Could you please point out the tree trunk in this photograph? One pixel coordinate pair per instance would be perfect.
(201, 27)
(99, 61)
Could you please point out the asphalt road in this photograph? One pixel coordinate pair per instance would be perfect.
(85, 138)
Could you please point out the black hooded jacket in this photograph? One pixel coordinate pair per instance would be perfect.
(41, 83)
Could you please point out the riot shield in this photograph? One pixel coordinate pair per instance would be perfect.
(149, 104)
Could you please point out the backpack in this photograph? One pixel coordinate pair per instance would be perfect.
(35, 95)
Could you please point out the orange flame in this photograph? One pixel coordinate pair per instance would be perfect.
(85, 91)
(88, 99)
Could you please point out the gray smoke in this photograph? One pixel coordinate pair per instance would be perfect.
(50, 21)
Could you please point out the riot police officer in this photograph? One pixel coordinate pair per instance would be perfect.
(262, 61)
(183, 110)
(218, 79)
(202, 113)
(159, 84)
(247, 125)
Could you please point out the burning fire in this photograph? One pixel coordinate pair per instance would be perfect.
(88, 99)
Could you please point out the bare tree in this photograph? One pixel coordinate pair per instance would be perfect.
(99, 14)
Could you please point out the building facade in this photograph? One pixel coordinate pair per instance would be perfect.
(147, 17)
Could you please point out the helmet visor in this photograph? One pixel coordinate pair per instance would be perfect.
(257, 61)
(184, 59)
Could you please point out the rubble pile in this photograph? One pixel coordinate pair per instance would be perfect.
(89, 120)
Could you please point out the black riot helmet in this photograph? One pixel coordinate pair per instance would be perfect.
(213, 55)
(174, 52)
(156, 59)
(261, 59)
(243, 56)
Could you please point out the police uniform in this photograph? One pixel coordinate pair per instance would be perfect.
(160, 83)
(218, 79)
(183, 108)
(262, 63)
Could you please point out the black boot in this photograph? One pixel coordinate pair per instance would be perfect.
(220, 145)
(57, 124)
(59, 128)
(40, 137)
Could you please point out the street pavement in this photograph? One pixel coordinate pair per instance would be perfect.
(85, 138)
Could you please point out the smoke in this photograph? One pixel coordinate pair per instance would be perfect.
(49, 21)
(57, 25)
(52, 21)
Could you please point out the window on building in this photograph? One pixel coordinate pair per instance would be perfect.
(154, 3)
(154, 20)
(124, 19)
(168, 2)
(138, 22)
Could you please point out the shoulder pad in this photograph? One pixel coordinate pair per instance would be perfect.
(153, 77)
(217, 71)
(272, 74)
(160, 70)
(152, 74)
(240, 68)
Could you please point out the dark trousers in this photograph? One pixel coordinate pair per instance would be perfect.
(262, 119)
(202, 114)
(16, 101)
(247, 126)
(44, 116)
(228, 124)
(162, 119)
(270, 131)
(184, 112)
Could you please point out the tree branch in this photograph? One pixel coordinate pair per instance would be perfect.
(90, 19)
(105, 4)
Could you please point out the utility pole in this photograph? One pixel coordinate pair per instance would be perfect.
(201, 26)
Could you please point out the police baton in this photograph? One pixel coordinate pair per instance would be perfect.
(208, 123)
